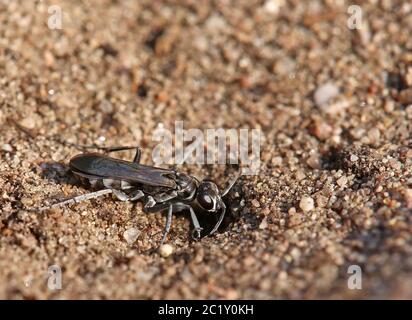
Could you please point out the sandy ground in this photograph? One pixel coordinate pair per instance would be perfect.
(334, 106)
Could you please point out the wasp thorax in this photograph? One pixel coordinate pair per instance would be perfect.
(187, 186)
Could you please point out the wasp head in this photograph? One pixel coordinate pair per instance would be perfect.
(208, 196)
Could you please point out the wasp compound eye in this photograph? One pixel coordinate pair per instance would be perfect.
(205, 201)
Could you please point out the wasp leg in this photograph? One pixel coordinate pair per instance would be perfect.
(168, 223)
(124, 197)
(136, 158)
(115, 184)
(113, 149)
(106, 149)
(163, 197)
(150, 203)
(137, 195)
(121, 195)
(196, 234)
(222, 215)
(77, 199)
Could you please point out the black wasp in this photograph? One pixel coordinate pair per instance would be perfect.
(158, 188)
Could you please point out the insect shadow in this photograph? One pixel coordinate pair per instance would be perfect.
(58, 172)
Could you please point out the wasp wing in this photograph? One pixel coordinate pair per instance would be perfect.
(95, 165)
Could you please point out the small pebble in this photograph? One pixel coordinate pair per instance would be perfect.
(389, 106)
(130, 235)
(321, 201)
(26, 201)
(81, 249)
(215, 22)
(325, 93)
(336, 108)
(379, 189)
(295, 253)
(273, 6)
(255, 203)
(307, 204)
(166, 250)
(342, 181)
(162, 96)
(374, 135)
(405, 96)
(314, 161)
(231, 294)
(322, 130)
(354, 158)
(408, 198)
(277, 161)
(264, 224)
(300, 175)
(395, 164)
(6, 147)
(29, 122)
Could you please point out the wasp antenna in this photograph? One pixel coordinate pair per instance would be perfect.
(231, 184)
(83, 197)
(219, 222)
